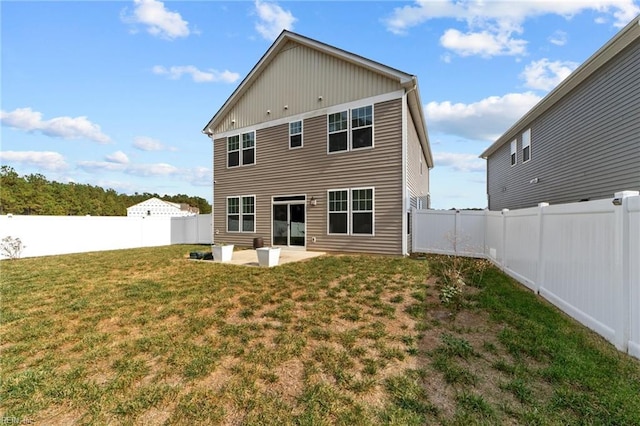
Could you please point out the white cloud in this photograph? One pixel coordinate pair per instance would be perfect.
(46, 160)
(273, 19)
(156, 169)
(198, 76)
(484, 43)
(117, 157)
(491, 24)
(108, 166)
(559, 38)
(545, 74)
(460, 162)
(145, 143)
(159, 21)
(484, 120)
(144, 170)
(199, 176)
(61, 127)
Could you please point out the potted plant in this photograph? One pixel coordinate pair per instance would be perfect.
(268, 256)
(222, 252)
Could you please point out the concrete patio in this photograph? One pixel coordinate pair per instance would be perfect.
(249, 257)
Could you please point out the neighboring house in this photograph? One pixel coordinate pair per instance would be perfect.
(157, 207)
(321, 149)
(582, 141)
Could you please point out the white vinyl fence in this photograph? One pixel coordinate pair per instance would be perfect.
(50, 235)
(582, 257)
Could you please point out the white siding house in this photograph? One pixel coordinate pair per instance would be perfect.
(157, 207)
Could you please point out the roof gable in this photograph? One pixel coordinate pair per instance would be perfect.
(298, 74)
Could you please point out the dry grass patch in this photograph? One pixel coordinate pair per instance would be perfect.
(147, 336)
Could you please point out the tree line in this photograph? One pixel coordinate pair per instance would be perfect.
(35, 195)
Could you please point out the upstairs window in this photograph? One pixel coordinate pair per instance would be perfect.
(295, 134)
(248, 148)
(241, 156)
(514, 152)
(350, 130)
(338, 131)
(362, 127)
(233, 151)
(526, 146)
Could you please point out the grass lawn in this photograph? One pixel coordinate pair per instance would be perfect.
(147, 336)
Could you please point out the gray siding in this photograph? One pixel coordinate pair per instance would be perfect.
(311, 171)
(587, 146)
(417, 173)
(296, 77)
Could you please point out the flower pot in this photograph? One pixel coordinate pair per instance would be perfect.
(222, 253)
(268, 256)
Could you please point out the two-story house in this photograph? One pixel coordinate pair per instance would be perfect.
(581, 141)
(321, 149)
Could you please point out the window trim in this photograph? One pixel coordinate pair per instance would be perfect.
(350, 141)
(229, 151)
(349, 130)
(513, 157)
(526, 145)
(350, 211)
(240, 213)
(329, 132)
(227, 214)
(372, 211)
(241, 149)
(295, 134)
(347, 190)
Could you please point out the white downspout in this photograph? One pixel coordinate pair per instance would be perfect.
(213, 185)
(405, 198)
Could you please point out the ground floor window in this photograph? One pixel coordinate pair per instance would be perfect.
(241, 213)
(350, 211)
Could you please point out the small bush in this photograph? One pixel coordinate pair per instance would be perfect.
(11, 247)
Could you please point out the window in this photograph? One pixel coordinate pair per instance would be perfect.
(248, 148)
(233, 214)
(351, 211)
(349, 134)
(513, 152)
(233, 151)
(249, 214)
(526, 146)
(295, 134)
(338, 124)
(362, 211)
(246, 155)
(241, 220)
(361, 127)
(338, 211)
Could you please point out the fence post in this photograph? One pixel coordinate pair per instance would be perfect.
(621, 278)
(414, 228)
(541, 260)
(503, 260)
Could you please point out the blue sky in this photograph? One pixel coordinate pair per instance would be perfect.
(116, 93)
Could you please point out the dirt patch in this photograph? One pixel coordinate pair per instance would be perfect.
(155, 416)
(54, 416)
